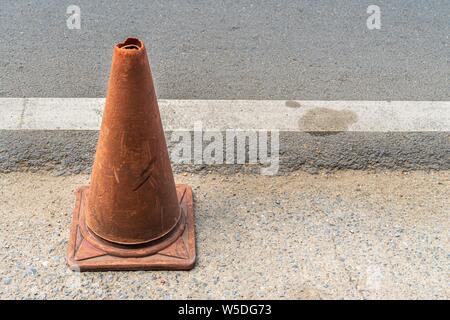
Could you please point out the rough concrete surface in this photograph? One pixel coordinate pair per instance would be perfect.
(350, 234)
(73, 151)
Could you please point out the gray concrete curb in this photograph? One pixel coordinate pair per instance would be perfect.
(60, 134)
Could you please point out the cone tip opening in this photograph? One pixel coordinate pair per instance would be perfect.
(131, 45)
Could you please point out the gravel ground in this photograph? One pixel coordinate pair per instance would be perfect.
(344, 235)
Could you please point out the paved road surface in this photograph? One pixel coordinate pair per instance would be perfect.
(232, 49)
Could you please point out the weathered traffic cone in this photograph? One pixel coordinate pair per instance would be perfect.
(132, 216)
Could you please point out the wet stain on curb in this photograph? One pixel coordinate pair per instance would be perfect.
(324, 121)
(292, 104)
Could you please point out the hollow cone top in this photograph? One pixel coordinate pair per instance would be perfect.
(132, 198)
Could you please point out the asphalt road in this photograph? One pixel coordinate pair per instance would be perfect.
(232, 49)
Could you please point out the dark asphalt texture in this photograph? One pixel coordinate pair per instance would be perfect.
(308, 50)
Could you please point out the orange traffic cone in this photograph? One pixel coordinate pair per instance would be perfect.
(132, 216)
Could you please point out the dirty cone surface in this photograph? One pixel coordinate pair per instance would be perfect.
(132, 216)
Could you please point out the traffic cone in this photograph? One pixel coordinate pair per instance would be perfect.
(132, 216)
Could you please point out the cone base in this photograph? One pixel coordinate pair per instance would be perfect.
(175, 252)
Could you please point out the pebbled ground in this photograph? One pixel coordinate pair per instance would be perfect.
(351, 234)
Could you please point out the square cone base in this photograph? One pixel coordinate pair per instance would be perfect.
(84, 255)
